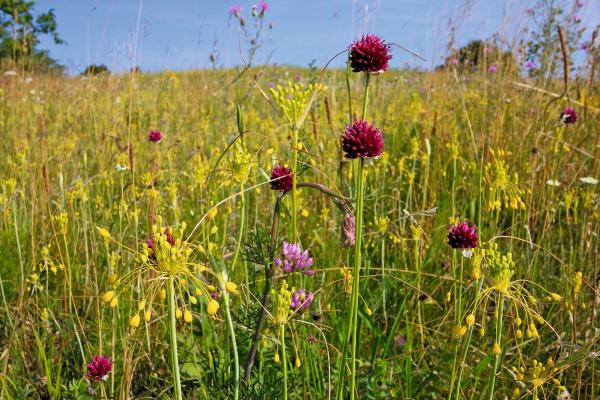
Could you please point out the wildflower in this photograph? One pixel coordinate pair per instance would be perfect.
(154, 136)
(369, 54)
(463, 236)
(212, 213)
(134, 322)
(348, 230)
(187, 316)
(553, 182)
(301, 300)
(568, 116)
(470, 319)
(281, 178)
(298, 364)
(294, 259)
(496, 348)
(212, 307)
(530, 65)
(362, 139)
(150, 242)
(454, 61)
(588, 180)
(235, 10)
(262, 7)
(108, 296)
(98, 368)
(493, 69)
(231, 287)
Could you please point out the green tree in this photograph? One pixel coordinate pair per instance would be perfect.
(20, 30)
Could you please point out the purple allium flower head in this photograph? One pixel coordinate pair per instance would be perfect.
(154, 136)
(98, 368)
(530, 65)
(348, 230)
(294, 259)
(568, 116)
(463, 235)
(493, 69)
(369, 54)
(281, 178)
(301, 300)
(362, 139)
(235, 10)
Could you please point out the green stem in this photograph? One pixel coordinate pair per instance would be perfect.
(283, 360)
(173, 338)
(356, 270)
(499, 310)
(241, 227)
(294, 183)
(366, 98)
(232, 337)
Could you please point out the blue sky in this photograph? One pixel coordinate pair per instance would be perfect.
(181, 34)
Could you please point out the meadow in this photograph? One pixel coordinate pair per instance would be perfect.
(148, 224)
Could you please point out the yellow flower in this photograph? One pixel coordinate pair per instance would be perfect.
(103, 232)
(178, 313)
(113, 302)
(231, 287)
(162, 294)
(147, 315)
(211, 214)
(276, 358)
(496, 349)
(470, 319)
(134, 322)
(187, 316)
(108, 296)
(212, 307)
(298, 363)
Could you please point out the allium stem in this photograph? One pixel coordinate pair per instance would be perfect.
(366, 97)
(356, 271)
(500, 311)
(283, 359)
(173, 338)
(294, 182)
(236, 367)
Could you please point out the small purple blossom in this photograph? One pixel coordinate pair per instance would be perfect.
(530, 65)
(98, 368)
(301, 300)
(294, 259)
(262, 7)
(235, 10)
(453, 61)
(463, 235)
(154, 136)
(493, 69)
(568, 116)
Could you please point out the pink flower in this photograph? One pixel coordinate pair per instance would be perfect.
(98, 368)
(493, 69)
(463, 235)
(154, 136)
(454, 61)
(362, 140)
(281, 178)
(294, 259)
(369, 54)
(262, 6)
(568, 116)
(235, 10)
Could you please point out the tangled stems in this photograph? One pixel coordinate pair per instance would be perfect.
(499, 310)
(173, 338)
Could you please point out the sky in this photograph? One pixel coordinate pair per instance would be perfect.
(182, 34)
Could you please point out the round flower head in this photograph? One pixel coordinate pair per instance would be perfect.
(281, 178)
(362, 140)
(154, 136)
(463, 236)
(568, 116)
(369, 54)
(301, 300)
(294, 259)
(98, 368)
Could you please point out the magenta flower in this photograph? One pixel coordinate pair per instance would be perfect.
(98, 368)
(530, 65)
(454, 61)
(281, 178)
(294, 259)
(493, 69)
(369, 54)
(154, 136)
(301, 300)
(362, 140)
(463, 236)
(349, 230)
(568, 116)
(262, 7)
(235, 10)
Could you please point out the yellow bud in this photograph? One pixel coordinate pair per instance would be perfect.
(298, 363)
(112, 279)
(103, 232)
(482, 331)
(231, 287)
(516, 392)
(114, 302)
(211, 288)
(198, 292)
(108, 296)
(556, 296)
(518, 334)
(211, 214)
(178, 313)
(187, 316)
(193, 300)
(214, 230)
(368, 311)
(147, 315)
(134, 322)
(276, 358)
(162, 294)
(212, 307)
(304, 212)
(141, 305)
(496, 349)
(470, 319)
(518, 321)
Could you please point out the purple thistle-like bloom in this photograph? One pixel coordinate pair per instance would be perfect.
(369, 54)
(568, 116)
(235, 10)
(362, 139)
(463, 235)
(349, 230)
(294, 259)
(98, 368)
(301, 300)
(281, 178)
(154, 136)
(530, 65)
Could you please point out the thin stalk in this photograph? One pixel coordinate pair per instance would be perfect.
(283, 360)
(294, 183)
(499, 310)
(173, 338)
(236, 367)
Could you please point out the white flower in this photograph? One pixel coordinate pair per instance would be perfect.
(553, 182)
(589, 180)
(121, 168)
(10, 73)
